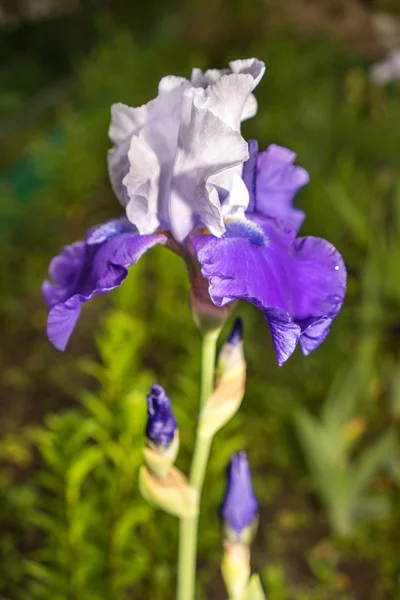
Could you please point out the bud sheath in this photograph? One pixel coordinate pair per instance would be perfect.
(229, 391)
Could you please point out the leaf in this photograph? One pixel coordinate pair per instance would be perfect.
(353, 216)
(86, 462)
(371, 459)
(123, 532)
(98, 408)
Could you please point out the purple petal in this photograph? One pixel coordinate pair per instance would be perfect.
(63, 268)
(298, 284)
(273, 181)
(101, 233)
(236, 334)
(249, 174)
(62, 320)
(86, 269)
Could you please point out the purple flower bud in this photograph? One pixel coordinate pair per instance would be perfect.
(240, 507)
(236, 334)
(161, 423)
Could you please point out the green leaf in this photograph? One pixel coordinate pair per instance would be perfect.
(371, 459)
(86, 462)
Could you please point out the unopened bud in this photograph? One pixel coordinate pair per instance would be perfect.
(239, 508)
(161, 423)
(171, 493)
(229, 391)
(161, 432)
(236, 334)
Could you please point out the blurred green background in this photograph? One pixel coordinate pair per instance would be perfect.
(322, 433)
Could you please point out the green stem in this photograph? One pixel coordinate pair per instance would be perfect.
(189, 527)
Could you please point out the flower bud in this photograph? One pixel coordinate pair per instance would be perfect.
(229, 391)
(161, 432)
(231, 358)
(171, 493)
(240, 507)
(161, 423)
(236, 334)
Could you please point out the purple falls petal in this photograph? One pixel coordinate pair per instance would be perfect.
(273, 182)
(85, 269)
(101, 233)
(299, 285)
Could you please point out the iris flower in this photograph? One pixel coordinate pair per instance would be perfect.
(188, 180)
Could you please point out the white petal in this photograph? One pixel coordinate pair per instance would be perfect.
(142, 186)
(151, 158)
(118, 167)
(250, 108)
(206, 146)
(172, 83)
(125, 121)
(197, 78)
(251, 66)
(200, 79)
(227, 97)
(235, 204)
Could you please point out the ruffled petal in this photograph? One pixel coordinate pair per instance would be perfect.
(250, 66)
(118, 168)
(99, 268)
(127, 123)
(101, 233)
(227, 97)
(299, 285)
(206, 146)
(273, 181)
(62, 268)
(165, 171)
(151, 158)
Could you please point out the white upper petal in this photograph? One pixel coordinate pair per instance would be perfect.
(206, 146)
(227, 97)
(151, 158)
(176, 161)
(250, 66)
(125, 121)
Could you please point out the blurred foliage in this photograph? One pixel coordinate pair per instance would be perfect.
(321, 432)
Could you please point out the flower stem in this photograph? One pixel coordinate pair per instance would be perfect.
(189, 527)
